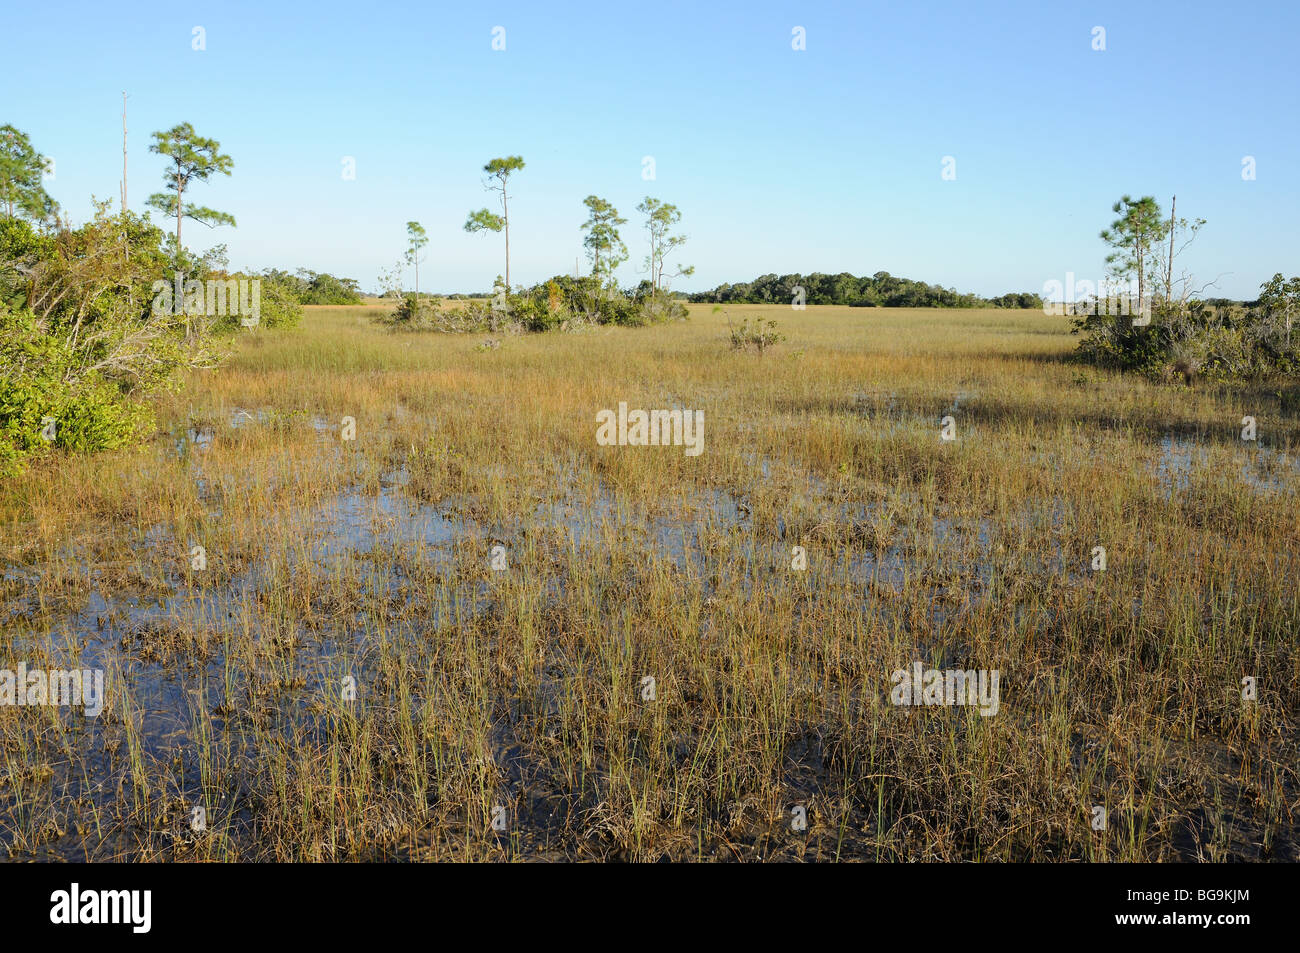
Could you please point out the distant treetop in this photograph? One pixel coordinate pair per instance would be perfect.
(879, 290)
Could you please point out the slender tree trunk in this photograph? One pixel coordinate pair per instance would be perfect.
(1141, 276)
(126, 242)
(179, 193)
(179, 196)
(654, 263)
(1169, 265)
(505, 217)
(124, 153)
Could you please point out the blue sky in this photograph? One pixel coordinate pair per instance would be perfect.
(826, 159)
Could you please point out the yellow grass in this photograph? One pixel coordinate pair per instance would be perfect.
(524, 689)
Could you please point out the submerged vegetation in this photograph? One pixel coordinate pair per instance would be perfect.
(352, 594)
(470, 631)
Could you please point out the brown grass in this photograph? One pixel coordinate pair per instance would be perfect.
(523, 689)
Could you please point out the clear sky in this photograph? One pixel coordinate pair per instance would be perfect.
(826, 159)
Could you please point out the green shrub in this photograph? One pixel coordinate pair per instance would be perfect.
(39, 386)
(314, 287)
(81, 342)
(279, 305)
(1220, 342)
(759, 335)
(562, 302)
(426, 313)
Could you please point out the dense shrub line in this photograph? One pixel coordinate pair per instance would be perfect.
(89, 326)
(879, 290)
(561, 302)
(314, 287)
(1187, 341)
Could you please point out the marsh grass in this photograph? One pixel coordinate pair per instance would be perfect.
(523, 689)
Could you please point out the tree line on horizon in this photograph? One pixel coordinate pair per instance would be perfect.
(881, 290)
